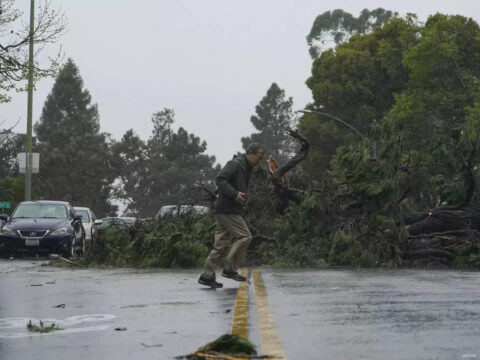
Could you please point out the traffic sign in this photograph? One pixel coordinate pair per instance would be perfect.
(5, 205)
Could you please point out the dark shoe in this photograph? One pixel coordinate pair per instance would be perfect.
(233, 275)
(209, 282)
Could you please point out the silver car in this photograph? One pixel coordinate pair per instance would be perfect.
(89, 221)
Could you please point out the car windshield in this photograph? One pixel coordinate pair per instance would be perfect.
(52, 211)
(84, 214)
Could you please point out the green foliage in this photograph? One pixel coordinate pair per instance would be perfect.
(274, 114)
(346, 251)
(162, 170)
(13, 190)
(9, 149)
(229, 344)
(357, 83)
(299, 238)
(335, 27)
(468, 261)
(181, 241)
(75, 156)
(412, 89)
(41, 328)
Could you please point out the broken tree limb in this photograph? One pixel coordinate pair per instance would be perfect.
(277, 175)
(440, 221)
(446, 233)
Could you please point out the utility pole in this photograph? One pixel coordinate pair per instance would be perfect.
(28, 168)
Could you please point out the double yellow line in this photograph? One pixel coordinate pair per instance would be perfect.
(271, 343)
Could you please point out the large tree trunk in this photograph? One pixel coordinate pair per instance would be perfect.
(441, 234)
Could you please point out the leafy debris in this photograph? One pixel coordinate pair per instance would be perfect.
(42, 328)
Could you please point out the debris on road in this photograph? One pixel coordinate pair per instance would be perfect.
(228, 346)
(68, 261)
(120, 329)
(42, 329)
(60, 306)
(62, 262)
(151, 346)
(36, 284)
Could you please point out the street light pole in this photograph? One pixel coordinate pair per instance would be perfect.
(28, 165)
(332, 117)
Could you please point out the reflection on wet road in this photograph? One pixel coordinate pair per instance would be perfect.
(319, 314)
(367, 314)
(165, 313)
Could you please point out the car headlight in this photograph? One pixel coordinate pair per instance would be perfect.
(60, 231)
(7, 231)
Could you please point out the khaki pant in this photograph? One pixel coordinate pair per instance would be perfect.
(232, 233)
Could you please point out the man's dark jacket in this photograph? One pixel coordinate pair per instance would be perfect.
(233, 178)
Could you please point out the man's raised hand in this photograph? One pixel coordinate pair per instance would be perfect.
(240, 197)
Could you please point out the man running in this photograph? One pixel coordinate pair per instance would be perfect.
(232, 231)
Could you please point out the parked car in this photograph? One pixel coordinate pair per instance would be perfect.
(50, 227)
(90, 223)
(117, 221)
(174, 210)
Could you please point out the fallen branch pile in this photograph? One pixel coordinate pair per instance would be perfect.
(441, 235)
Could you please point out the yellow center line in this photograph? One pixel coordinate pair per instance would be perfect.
(271, 343)
(240, 315)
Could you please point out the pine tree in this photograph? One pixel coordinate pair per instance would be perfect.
(74, 155)
(274, 113)
(164, 169)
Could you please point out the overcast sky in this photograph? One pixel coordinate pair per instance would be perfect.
(210, 60)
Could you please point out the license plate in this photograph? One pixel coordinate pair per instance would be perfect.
(32, 242)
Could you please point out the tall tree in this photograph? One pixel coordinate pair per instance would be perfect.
(427, 145)
(356, 83)
(162, 170)
(273, 115)
(74, 155)
(335, 27)
(131, 165)
(9, 149)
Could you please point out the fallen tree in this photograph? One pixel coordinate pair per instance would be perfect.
(441, 235)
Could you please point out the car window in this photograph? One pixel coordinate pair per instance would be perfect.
(85, 216)
(55, 211)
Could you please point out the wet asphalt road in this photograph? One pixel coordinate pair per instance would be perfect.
(368, 314)
(321, 314)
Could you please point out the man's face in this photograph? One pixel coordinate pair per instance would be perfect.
(255, 159)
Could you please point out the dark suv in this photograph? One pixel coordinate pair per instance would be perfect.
(42, 227)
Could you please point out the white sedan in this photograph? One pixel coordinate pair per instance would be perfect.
(89, 221)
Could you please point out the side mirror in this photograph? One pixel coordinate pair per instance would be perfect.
(77, 218)
(4, 217)
(98, 222)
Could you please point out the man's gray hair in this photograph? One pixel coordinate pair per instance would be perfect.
(254, 148)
